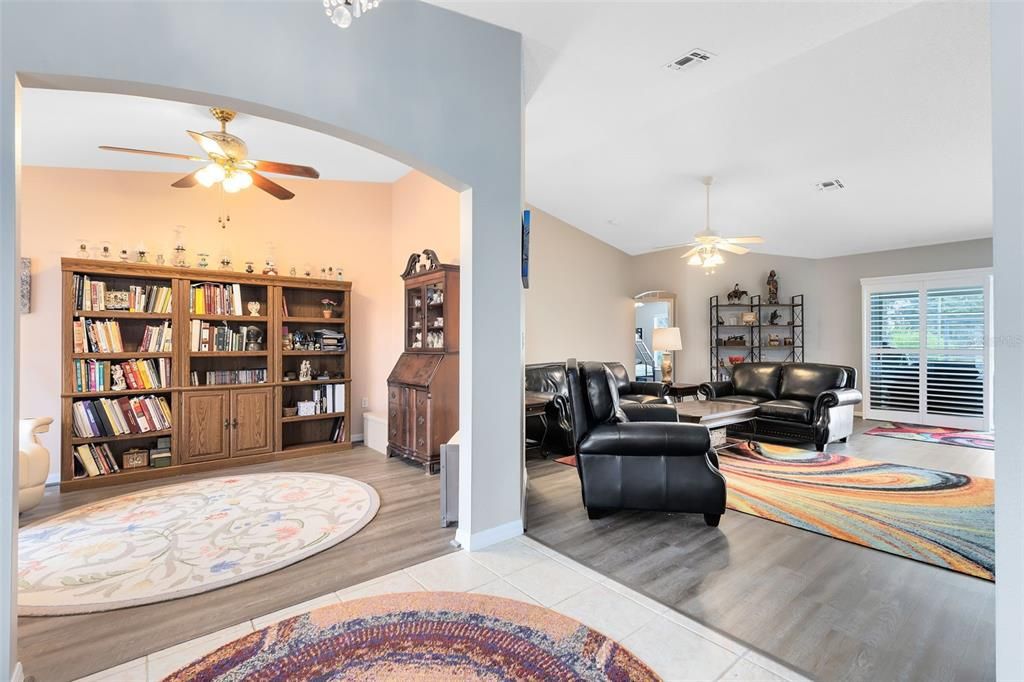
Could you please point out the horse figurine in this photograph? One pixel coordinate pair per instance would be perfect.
(737, 294)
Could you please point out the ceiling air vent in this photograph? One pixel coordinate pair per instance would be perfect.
(691, 59)
(833, 185)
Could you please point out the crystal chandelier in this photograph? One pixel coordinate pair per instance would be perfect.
(342, 12)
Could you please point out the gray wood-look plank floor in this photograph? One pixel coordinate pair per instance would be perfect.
(832, 609)
(406, 531)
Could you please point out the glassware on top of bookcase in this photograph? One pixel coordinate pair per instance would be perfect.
(203, 263)
(307, 270)
(225, 263)
(124, 255)
(105, 252)
(82, 251)
(141, 254)
(338, 275)
(249, 267)
(160, 259)
(179, 260)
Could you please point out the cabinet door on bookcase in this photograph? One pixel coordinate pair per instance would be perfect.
(398, 434)
(207, 425)
(252, 430)
(421, 421)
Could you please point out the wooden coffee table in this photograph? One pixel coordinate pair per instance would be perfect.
(717, 415)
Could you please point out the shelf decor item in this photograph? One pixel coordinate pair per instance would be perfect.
(328, 307)
(773, 289)
(135, 458)
(254, 308)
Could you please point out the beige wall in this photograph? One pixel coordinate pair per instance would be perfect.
(831, 289)
(347, 224)
(580, 300)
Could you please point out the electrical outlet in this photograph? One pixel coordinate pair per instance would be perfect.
(365, 402)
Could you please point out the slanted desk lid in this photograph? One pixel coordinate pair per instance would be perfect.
(415, 369)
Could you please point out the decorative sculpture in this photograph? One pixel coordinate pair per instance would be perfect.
(736, 295)
(773, 288)
(305, 373)
(117, 380)
(774, 318)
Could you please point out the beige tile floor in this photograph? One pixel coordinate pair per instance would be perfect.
(676, 647)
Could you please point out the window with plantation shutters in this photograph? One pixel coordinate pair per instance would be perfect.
(926, 353)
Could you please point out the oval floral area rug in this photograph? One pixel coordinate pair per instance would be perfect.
(176, 540)
(422, 636)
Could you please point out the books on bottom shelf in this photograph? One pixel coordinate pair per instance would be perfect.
(94, 460)
(338, 430)
(104, 417)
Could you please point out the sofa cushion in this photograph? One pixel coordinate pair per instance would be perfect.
(548, 377)
(807, 381)
(757, 378)
(620, 375)
(602, 399)
(640, 398)
(744, 399)
(789, 410)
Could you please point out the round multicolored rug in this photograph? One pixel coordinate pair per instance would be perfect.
(422, 636)
(176, 540)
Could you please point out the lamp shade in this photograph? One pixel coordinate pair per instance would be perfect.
(666, 339)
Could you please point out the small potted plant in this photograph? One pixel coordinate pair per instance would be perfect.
(328, 305)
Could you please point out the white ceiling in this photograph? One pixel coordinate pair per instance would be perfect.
(891, 97)
(64, 128)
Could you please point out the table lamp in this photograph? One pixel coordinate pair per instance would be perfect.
(667, 340)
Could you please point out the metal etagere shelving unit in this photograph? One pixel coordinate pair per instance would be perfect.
(732, 339)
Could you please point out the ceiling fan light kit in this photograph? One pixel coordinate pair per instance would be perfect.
(343, 12)
(708, 245)
(227, 162)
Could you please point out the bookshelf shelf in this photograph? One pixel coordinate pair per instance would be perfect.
(122, 315)
(315, 320)
(312, 417)
(339, 353)
(228, 354)
(123, 436)
(197, 441)
(120, 356)
(228, 318)
(112, 394)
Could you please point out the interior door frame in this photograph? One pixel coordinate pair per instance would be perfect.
(658, 296)
(923, 282)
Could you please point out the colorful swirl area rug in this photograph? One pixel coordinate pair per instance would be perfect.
(935, 517)
(422, 636)
(176, 540)
(983, 440)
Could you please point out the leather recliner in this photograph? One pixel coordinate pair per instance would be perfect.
(549, 378)
(636, 391)
(801, 402)
(638, 456)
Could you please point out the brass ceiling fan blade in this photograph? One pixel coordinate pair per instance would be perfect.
(187, 181)
(150, 152)
(271, 187)
(745, 240)
(725, 246)
(692, 251)
(286, 168)
(209, 145)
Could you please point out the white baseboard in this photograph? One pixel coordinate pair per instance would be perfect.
(19, 673)
(491, 536)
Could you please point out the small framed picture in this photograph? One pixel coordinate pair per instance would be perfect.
(116, 300)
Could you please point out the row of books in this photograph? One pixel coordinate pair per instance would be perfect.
(205, 337)
(94, 459)
(92, 294)
(209, 298)
(338, 430)
(104, 336)
(327, 398)
(103, 417)
(229, 376)
(95, 375)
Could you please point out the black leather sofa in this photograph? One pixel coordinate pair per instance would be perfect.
(549, 378)
(638, 455)
(801, 402)
(636, 391)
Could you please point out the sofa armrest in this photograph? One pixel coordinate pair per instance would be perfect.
(716, 389)
(650, 412)
(837, 398)
(655, 388)
(645, 439)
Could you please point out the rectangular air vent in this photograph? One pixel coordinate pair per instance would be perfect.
(833, 185)
(691, 59)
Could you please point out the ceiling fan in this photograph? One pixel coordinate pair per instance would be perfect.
(708, 244)
(227, 162)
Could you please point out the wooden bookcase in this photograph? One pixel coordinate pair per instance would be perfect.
(214, 425)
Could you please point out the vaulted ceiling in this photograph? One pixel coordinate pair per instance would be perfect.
(893, 98)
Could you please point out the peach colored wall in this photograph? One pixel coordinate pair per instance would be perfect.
(327, 223)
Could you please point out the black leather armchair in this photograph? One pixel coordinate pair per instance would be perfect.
(655, 464)
(801, 402)
(549, 378)
(636, 391)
